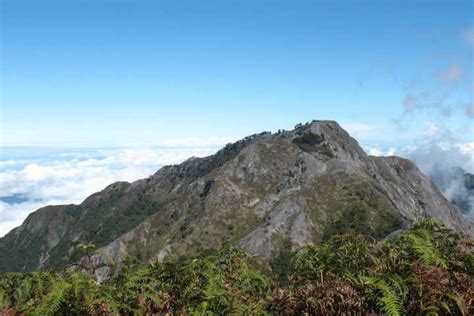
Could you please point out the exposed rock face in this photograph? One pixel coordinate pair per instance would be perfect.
(264, 192)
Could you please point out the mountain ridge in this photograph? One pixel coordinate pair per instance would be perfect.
(263, 192)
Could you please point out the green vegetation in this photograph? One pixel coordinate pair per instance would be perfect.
(311, 142)
(362, 209)
(360, 220)
(29, 259)
(428, 270)
(119, 219)
(307, 141)
(21, 250)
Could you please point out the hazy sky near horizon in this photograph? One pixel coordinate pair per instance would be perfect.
(114, 73)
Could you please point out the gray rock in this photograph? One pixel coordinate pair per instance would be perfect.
(264, 193)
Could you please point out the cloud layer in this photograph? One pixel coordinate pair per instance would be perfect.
(31, 179)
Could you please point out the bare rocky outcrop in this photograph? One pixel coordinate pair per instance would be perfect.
(265, 193)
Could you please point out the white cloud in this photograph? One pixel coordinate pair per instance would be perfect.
(70, 177)
(440, 87)
(431, 129)
(466, 149)
(378, 151)
(452, 74)
(435, 149)
(441, 150)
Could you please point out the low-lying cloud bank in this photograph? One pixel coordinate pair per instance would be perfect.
(32, 178)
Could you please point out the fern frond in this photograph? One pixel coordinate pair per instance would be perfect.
(52, 302)
(392, 293)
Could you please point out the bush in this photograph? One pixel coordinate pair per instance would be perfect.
(427, 270)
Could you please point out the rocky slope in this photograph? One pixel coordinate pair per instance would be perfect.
(266, 192)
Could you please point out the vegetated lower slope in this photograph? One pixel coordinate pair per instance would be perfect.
(264, 193)
(428, 270)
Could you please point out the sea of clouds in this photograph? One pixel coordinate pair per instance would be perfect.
(31, 178)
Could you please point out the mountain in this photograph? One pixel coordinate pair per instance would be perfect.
(266, 192)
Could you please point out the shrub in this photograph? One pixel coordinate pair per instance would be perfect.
(427, 270)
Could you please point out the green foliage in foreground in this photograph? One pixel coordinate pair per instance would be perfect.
(428, 270)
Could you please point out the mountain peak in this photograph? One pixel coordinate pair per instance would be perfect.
(264, 192)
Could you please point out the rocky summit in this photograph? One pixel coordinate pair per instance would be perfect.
(267, 193)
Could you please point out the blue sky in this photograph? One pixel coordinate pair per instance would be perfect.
(111, 73)
(93, 92)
